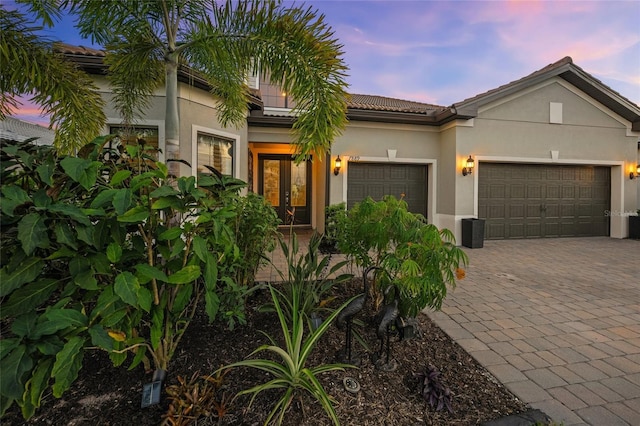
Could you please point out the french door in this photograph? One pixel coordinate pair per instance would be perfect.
(286, 186)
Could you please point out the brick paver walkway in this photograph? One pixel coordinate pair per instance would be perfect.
(558, 322)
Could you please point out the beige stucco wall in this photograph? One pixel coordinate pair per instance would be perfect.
(198, 111)
(384, 143)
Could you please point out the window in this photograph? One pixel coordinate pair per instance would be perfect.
(132, 134)
(215, 151)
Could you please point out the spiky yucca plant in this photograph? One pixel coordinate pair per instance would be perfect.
(291, 374)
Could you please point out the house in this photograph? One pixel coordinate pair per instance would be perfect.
(549, 155)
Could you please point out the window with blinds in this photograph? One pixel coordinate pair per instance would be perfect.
(216, 152)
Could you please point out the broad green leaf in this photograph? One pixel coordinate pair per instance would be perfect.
(85, 233)
(32, 233)
(113, 318)
(199, 245)
(70, 211)
(83, 171)
(103, 198)
(185, 275)
(68, 363)
(45, 171)
(163, 191)
(25, 325)
(36, 386)
(183, 297)
(119, 177)
(164, 202)
(127, 287)
(100, 337)
(114, 252)
(140, 351)
(107, 303)
(122, 200)
(15, 196)
(145, 299)
(162, 167)
(212, 304)
(25, 272)
(63, 318)
(41, 199)
(65, 235)
(28, 297)
(7, 345)
(49, 345)
(136, 214)
(78, 265)
(149, 271)
(14, 367)
(62, 253)
(178, 248)
(210, 272)
(86, 280)
(170, 234)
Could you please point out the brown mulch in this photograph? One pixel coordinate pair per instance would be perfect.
(104, 395)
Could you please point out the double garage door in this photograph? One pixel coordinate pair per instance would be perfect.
(535, 201)
(377, 180)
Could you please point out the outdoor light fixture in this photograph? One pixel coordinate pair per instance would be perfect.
(469, 167)
(336, 169)
(637, 173)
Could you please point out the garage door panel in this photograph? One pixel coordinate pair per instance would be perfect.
(497, 211)
(497, 191)
(516, 230)
(377, 180)
(516, 212)
(534, 190)
(558, 200)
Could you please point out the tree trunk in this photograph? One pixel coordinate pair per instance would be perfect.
(172, 117)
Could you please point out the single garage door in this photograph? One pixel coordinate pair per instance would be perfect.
(377, 180)
(537, 201)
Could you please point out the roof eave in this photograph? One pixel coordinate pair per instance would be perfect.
(354, 114)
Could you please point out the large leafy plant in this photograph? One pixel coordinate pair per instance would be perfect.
(290, 372)
(103, 250)
(417, 257)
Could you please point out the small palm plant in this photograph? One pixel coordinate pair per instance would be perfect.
(291, 373)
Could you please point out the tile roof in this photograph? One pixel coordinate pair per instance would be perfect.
(12, 128)
(372, 104)
(382, 103)
(69, 49)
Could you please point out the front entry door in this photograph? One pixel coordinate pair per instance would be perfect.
(286, 186)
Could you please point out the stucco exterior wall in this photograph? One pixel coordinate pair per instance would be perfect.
(522, 129)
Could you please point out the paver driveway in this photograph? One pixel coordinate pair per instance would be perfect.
(558, 322)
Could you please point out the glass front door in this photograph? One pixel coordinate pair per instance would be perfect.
(287, 186)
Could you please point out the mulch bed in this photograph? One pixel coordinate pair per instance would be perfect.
(104, 395)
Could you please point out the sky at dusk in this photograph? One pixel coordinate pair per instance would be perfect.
(442, 52)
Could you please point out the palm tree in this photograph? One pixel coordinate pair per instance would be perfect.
(147, 41)
(29, 66)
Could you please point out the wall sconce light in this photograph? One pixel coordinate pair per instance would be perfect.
(338, 165)
(468, 169)
(637, 173)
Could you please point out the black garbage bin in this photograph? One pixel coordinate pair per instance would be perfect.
(473, 233)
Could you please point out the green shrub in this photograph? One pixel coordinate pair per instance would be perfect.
(105, 250)
(413, 254)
